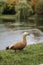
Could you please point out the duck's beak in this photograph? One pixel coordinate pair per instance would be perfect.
(28, 34)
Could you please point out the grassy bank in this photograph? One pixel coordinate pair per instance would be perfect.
(31, 55)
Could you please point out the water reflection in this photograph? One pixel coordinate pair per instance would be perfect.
(12, 32)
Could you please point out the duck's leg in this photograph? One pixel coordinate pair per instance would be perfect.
(15, 50)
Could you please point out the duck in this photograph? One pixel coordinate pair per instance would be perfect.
(19, 45)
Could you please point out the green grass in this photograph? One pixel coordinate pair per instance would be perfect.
(31, 55)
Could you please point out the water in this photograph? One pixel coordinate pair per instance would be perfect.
(12, 32)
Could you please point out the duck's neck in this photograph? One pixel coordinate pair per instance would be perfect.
(24, 39)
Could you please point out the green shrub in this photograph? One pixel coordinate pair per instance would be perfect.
(39, 7)
(1, 7)
(9, 9)
(25, 10)
(39, 11)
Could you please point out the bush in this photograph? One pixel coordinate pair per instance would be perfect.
(1, 6)
(39, 7)
(9, 8)
(39, 11)
(25, 10)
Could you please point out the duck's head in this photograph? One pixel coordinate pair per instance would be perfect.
(25, 34)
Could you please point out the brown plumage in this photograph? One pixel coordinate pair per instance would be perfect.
(19, 45)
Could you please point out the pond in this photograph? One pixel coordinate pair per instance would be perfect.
(11, 32)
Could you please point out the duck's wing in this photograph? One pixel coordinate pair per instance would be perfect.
(16, 45)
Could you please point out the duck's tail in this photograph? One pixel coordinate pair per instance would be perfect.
(7, 47)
